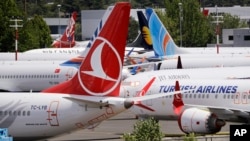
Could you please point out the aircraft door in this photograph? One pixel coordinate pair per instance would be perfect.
(52, 113)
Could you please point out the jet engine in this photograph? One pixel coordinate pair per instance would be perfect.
(194, 120)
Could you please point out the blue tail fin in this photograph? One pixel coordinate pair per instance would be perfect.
(163, 43)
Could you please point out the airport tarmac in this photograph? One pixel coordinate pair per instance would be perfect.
(114, 128)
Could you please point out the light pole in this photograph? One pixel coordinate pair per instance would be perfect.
(16, 34)
(217, 28)
(181, 18)
(59, 28)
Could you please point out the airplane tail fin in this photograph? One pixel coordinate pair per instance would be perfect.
(101, 71)
(143, 39)
(177, 101)
(143, 22)
(76, 61)
(67, 40)
(163, 44)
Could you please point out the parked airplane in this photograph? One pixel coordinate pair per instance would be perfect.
(164, 46)
(32, 116)
(222, 92)
(187, 63)
(67, 40)
(25, 76)
(59, 53)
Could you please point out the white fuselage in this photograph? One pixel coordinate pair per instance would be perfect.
(206, 62)
(47, 54)
(25, 76)
(30, 116)
(231, 98)
(33, 76)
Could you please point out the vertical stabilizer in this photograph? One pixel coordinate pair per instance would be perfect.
(67, 40)
(163, 44)
(101, 71)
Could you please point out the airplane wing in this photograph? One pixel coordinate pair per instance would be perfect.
(222, 110)
(93, 102)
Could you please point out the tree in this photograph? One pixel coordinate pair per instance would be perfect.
(35, 34)
(8, 10)
(195, 26)
(133, 30)
(145, 130)
(230, 21)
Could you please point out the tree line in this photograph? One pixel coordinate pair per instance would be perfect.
(197, 29)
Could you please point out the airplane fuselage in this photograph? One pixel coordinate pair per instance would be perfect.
(33, 76)
(41, 115)
(220, 94)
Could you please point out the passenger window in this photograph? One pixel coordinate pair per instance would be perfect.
(19, 113)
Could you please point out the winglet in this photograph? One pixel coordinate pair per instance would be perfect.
(68, 38)
(177, 101)
(101, 71)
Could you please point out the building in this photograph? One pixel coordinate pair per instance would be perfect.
(233, 37)
(57, 26)
(91, 18)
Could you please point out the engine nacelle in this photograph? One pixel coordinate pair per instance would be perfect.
(194, 120)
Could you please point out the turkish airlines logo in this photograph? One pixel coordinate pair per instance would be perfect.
(100, 73)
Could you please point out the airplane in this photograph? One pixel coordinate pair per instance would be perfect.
(67, 40)
(187, 61)
(165, 48)
(216, 94)
(34, 76)
(26, 76)
(48, 54)
(32, 116)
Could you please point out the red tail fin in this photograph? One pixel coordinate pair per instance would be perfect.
(177, 102)
(68, 38)
(100, 72)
